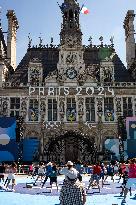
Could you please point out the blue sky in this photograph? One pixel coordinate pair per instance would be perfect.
(43, 16)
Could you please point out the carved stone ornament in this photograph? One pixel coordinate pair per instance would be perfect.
(71, 58)
(5, 103)
(118, 105)
(91, 72)
(52, 75)
(34, 75)
(99, 106)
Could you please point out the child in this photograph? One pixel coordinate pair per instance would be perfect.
(53, 176)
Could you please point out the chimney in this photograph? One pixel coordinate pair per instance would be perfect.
(129, 37)
(11, 37)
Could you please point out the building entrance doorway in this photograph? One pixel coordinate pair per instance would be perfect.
(71, 146)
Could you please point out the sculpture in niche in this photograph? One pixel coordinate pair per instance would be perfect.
(24, 107)
(107, 75)
(62, 108)
(61, 104)
(80, 104)
(42, 109)
(118, 105)
(99, 106)
(5, 106)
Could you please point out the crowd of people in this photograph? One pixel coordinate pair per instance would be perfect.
(73, 190)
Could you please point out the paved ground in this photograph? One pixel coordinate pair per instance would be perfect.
(23, 196)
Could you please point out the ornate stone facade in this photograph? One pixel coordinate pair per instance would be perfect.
(70, 95)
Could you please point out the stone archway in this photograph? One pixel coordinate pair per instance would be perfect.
(70, 146)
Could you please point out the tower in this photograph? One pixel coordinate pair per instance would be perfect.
(70, 33)
(71, 62)
(130, 40)
(3, 68)
(11, 38)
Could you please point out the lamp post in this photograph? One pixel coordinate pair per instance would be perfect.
(20, 125)
(42, 140)
(121, 149)
(99, 127)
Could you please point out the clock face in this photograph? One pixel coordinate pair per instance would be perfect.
(71, 73)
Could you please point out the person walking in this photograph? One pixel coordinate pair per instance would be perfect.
(41, 173)
(2, 172)
(72, 191)
(65, 170)
(11, 175)
(131, 178)
(110, 172)
(125, 179)
(96, 176)
(53, 176)
(48, 172)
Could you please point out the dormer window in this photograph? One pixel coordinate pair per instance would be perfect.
(35, 73)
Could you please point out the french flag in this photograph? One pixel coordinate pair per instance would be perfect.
(84, 10)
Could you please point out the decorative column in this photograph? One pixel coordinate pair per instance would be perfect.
(23, 107)
(42, 109)
(118, 106)
(42, 125)
(99, 125)
(80, 110)
(61, 108)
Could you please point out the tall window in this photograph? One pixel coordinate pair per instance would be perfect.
(14, 106)
(127, 107)
(108, 109)
(52, 110)
(90, 109)
(33, 110)
(71, 109)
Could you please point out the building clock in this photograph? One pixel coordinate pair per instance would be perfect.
(71, 73)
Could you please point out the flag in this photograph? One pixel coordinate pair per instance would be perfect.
(84, 10)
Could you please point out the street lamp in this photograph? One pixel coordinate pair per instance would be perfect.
(42, 140)
(100, 113)
(121, 149)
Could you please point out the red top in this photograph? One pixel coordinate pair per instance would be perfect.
(123, 168)
(132, 171)
(31, 168)
(97, 169)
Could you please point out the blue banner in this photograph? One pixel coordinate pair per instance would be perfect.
(8, 145)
